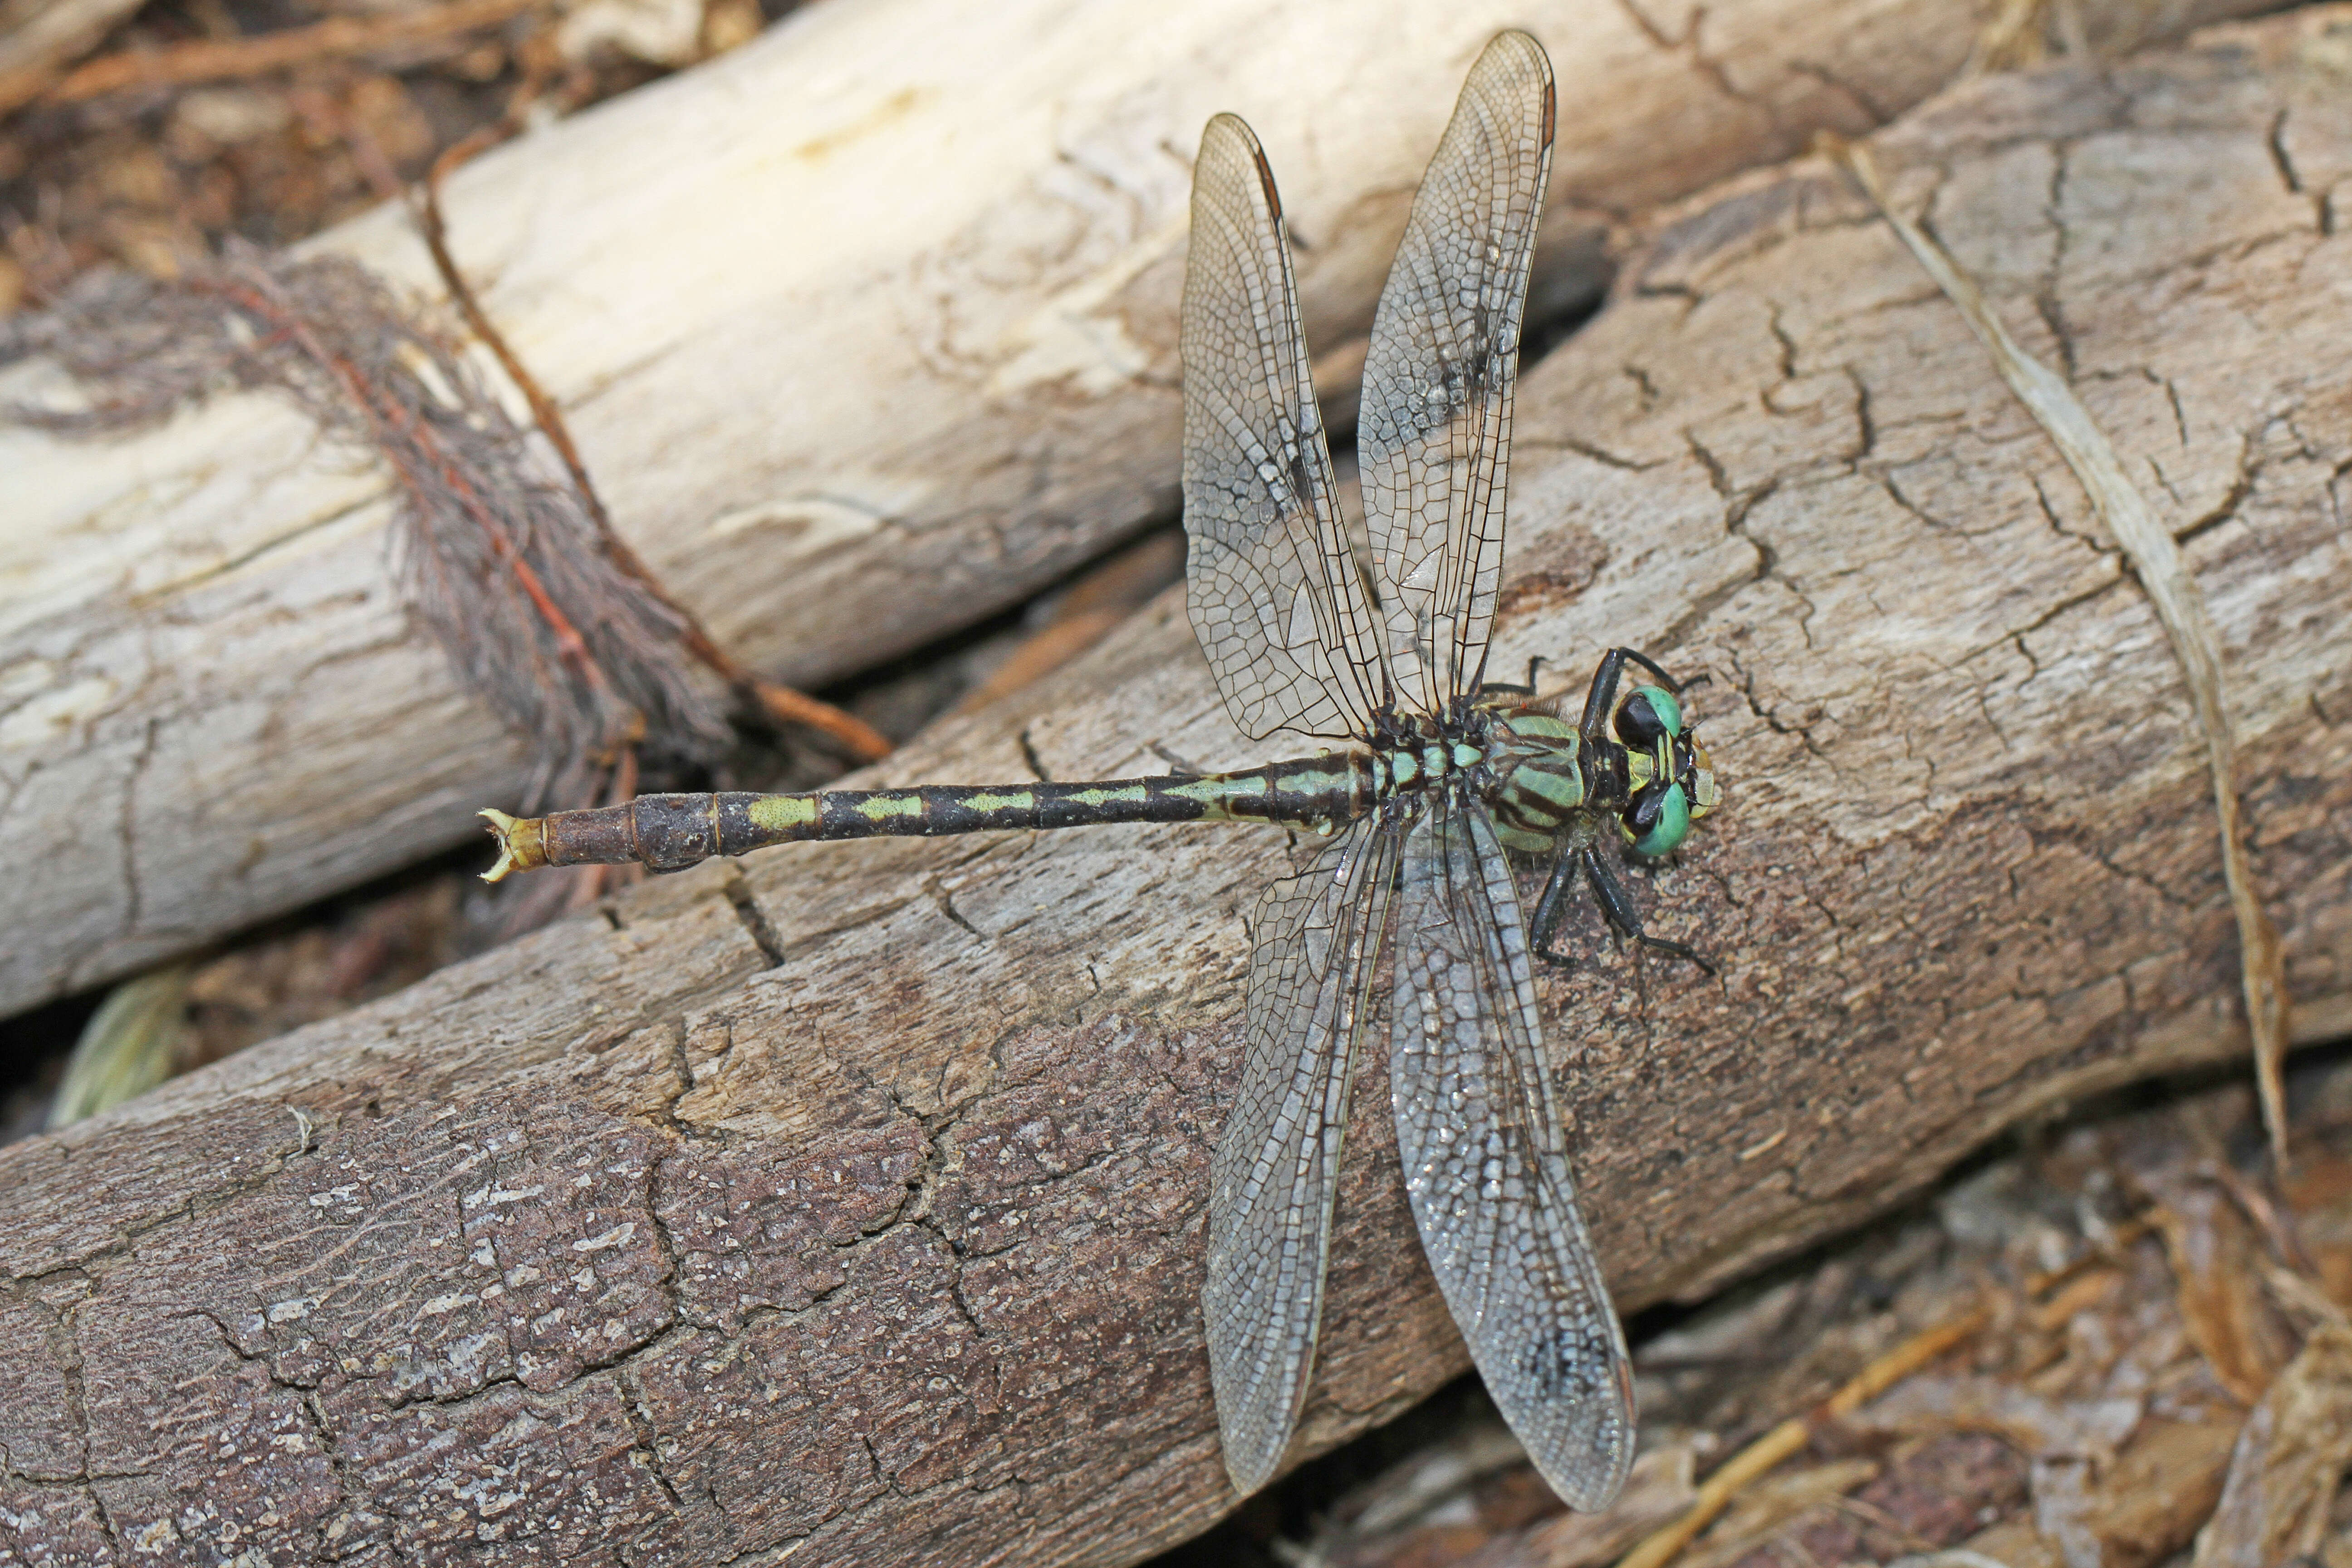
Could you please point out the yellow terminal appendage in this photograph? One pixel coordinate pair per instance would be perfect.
(522, 845)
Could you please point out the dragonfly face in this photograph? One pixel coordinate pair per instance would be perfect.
(1671, 777)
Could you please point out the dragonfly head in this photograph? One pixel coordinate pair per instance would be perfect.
(1680, 787)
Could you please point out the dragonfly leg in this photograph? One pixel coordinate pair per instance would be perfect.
(1668, 681)
(1603, 693)
(1544, 929)
(1184, 768)
(1508, 690)
(1618, 905)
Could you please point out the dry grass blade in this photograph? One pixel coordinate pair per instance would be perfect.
(127, 1048)
(496, 557)
(781, 702)
(38, 38)
(2283, 1470)
(1743, 1468)
(2156, 558)
(2010, 39)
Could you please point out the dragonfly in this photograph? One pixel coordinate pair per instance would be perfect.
(1441, 778)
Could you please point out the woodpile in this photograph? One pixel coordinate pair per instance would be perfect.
(850, 1200)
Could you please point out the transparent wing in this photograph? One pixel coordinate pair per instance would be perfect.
(1436, 431)
(1483, 1164)
(1272, 1182)
(1275, 597)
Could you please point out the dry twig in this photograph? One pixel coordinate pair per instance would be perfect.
(1790, 1437)
(779, 702)
(2285, 1467)
(1110, 591)
(337, 37)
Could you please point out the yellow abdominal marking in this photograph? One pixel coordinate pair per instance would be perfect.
(1104, 796)
(881, 805)
(1209, 792)
(779, 810)
(1012, 800)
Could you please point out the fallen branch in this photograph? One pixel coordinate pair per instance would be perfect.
(1791, 1436)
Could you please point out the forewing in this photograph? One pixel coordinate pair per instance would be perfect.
(1271, 1187)
(1436, 432)
(1275, 597)
(1480, 1139)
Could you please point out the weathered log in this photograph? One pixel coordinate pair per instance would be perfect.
(866, 330)
(851, 1198)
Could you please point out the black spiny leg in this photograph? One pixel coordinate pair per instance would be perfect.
(1616, 904)
(1507, 689)
(1619, 907)
(1546, 926)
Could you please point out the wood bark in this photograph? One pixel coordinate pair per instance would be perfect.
(851, 1199)
(866, 330)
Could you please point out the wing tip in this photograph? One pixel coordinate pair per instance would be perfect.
(1247, 1473)
(1250, 1445)
(1532, 53)
(1227, 126)
(1580, 1483)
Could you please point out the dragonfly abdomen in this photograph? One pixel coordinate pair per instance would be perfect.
(670, 832)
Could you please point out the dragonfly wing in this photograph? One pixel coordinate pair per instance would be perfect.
(1436, 431)
(1276, 596)
(1483, 1164)
(1272, 1182)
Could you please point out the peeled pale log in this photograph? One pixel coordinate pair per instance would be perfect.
(851, 1199)
(866, 330)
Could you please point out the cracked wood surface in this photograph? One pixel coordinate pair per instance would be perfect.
(853, 1197)
(867, 330)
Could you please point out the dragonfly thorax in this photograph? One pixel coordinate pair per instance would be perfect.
(1532, 769)
(1546, 778)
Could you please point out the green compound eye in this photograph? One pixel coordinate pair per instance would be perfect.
(1663, 704)
(1651, 712)
(1659, 821)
